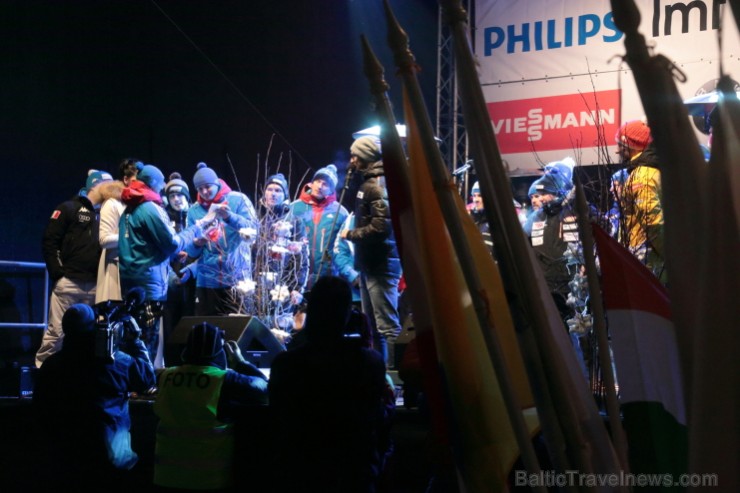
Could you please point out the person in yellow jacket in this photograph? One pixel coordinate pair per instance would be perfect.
(641, 197)
(196, 404)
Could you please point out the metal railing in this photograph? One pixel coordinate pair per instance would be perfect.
(30, 266)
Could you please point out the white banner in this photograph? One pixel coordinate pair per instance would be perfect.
(554, 80)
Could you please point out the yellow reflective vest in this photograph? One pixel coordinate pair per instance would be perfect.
(193, 449)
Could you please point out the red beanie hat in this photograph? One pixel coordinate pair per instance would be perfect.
(634, 134)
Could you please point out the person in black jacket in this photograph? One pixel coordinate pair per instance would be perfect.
(71, 252)
(376, 255)
(552, 229)
(329, 432)
(181, 286)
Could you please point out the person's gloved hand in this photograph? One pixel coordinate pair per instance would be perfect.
(234, 355)
(130, 330)
(236, 361)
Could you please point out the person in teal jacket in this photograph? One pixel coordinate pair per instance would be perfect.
(146, 244)
(224, 273)
(322, 217)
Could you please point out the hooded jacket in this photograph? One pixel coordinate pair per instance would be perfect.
(109, 279)
(147, 241)
(641, 197)
(375, 244)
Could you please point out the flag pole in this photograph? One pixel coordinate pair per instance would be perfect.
(395, 165)
(683, 176)
(583, 428)
(597, 310)
(398, 42)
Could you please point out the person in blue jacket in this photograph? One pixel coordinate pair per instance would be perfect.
(224, 272)
(81, 404)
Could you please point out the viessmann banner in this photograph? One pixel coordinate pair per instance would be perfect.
(553, 76)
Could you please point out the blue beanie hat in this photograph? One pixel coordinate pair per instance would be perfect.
(152, 177)
(476, 188)
(328, 173)
(204, 176)
(95, 176)
(553, 183)
(78, 319)
(564, 167)
(278, 179)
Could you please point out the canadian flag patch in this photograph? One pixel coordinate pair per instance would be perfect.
(56, 214)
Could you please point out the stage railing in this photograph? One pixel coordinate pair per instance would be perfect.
(28, 266)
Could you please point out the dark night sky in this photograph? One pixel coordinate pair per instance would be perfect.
(86, 83)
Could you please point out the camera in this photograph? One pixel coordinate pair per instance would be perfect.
(116, 323)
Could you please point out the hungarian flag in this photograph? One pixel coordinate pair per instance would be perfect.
(646, 359)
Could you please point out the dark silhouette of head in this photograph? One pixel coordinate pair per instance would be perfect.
(328, 309)
(78, 323)
(205, 346)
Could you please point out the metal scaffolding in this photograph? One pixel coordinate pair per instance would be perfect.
(450, 126)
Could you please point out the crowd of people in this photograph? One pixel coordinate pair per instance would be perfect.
(130, 257)
(324, 280)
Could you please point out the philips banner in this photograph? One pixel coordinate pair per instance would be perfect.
(554, 79)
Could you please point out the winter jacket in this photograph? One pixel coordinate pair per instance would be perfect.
(227, 258)
(109, 279)
(375, 243)
(196, 406)
(553, 228)
(641, 201)
(70, 245)
(82, 402)
(147, 241)
(320, 228)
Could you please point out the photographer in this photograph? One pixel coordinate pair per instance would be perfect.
(198, 405)
(81, 405)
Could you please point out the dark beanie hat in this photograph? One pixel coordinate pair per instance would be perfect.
(205, 346)
(78, 319)
(366, 149)
(328, 173)
(177, 185)
(152, 177)
(204, 176)
(280, 180)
